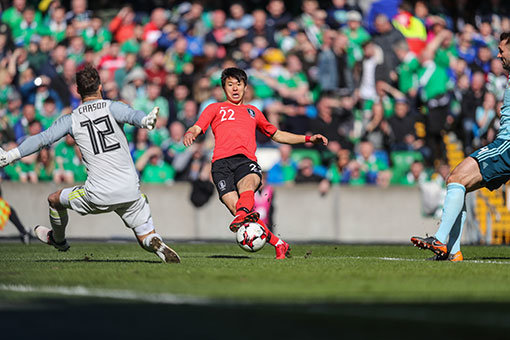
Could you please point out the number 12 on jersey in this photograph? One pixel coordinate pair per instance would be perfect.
(101, 134)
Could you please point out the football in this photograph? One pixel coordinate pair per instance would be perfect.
(251, 237)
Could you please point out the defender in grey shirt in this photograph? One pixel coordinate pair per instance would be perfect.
(112, 182)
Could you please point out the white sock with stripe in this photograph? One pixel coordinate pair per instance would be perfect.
(58, 220)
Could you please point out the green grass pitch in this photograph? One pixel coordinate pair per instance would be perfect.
(322, 289)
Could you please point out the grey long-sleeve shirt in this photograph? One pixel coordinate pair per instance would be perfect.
(97, 129)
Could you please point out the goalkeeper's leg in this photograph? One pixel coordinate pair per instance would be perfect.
(137, 216)
(58, 220)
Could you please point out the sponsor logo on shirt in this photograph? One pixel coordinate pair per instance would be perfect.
(251, 112)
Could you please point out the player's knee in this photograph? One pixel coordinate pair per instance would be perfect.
(54, 200)
(456, 177)
(450, 179)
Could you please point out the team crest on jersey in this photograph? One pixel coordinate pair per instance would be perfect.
(222, 185)
(251, 112)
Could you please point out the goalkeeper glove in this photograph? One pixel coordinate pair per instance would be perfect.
(149, 121)
(7, 157)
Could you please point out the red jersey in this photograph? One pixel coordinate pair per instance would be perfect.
(234, 128)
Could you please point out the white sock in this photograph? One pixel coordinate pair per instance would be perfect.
(147, 242)
(58, 220)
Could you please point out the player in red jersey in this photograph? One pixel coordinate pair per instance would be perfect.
(235, 171)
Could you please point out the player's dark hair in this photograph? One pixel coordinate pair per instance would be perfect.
(233, 72)
(87, 81)
(505, 36)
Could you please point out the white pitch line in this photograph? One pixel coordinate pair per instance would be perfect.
(417, 260)
(163, 298)
(378, 258)
(487, 261)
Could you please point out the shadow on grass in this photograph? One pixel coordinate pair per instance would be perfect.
(107, 318)
(489, 258)
(97, 261)
(238, 257)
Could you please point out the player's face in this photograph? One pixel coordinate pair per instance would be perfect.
(504, 54)
(234, 90)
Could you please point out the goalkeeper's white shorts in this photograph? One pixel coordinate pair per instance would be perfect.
(134, 214)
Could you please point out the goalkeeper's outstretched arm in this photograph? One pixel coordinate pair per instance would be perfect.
(57, 130)
(124, 113)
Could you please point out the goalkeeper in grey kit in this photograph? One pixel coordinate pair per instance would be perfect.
(112, 182)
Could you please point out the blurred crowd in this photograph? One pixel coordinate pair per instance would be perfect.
(385, 81)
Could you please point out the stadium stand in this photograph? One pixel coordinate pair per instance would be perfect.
(411, 79)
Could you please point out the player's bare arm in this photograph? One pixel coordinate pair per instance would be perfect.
(191, 135)
(291, 138)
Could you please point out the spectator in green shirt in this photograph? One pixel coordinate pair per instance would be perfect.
(370, 164)
(357, 36)
(13, 112)
(26, 170)
(66, 160)
(13, 170)
(36, 57)
(285, 170)
(387, 96)
(407, 70)
(55, 24)
(337, 171)
(5, 87)
(261, 82)
(13, 16)
(96, 36)
(145, 104)
(175, 153)
(76, 49)
(153, 168)
(121, 73)
(134, 85)
(48, 113)
(435, 83)
(45, 165)
(29, 25)
(416, 175)
(178, 56)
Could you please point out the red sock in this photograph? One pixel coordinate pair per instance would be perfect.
(246, 201)
(271, 238)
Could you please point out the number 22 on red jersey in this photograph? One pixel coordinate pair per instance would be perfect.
(227, 114)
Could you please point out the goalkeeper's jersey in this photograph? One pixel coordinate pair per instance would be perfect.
(97, 129)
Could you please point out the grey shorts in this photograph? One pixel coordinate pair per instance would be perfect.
(134, 214)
